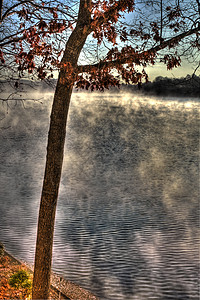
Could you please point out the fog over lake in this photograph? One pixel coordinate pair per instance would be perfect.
(127, 222)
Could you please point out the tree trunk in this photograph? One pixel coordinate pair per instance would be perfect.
(54, 160)
(55, 152)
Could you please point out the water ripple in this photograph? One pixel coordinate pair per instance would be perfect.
(127, 224)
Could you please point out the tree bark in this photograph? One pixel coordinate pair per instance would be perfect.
(1, 10)
(55, 152)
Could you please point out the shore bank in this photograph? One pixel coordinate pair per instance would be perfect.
(60, 287)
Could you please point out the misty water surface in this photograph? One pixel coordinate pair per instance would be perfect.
(127, 218)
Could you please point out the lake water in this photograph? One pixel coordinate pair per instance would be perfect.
(127, 222)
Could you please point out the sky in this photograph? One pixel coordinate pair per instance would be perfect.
(189, 13)
(161, 70)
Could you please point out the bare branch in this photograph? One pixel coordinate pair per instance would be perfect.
(10, 11)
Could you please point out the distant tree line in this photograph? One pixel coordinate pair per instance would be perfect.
(184, 86)
(160, 86)
(164, 86)
(188, 86)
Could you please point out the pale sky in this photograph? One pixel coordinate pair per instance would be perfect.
(161, 70)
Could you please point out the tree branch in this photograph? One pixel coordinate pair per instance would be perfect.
(198, 3)
(128, 59)
(1, 9)
(20, 38)
(10, 10)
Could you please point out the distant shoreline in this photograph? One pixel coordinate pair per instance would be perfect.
(188, 86)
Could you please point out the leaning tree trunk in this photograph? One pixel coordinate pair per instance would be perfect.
(55, 152)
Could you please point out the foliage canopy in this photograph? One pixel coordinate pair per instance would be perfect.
(118, 48)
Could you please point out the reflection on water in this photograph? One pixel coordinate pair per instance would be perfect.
(127, 217)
